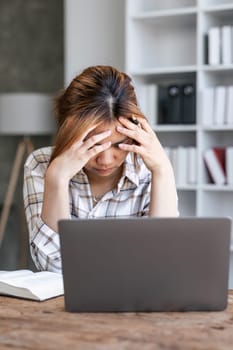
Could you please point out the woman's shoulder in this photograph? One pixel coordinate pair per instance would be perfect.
(39, 157)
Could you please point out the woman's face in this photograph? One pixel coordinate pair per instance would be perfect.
(108, 162)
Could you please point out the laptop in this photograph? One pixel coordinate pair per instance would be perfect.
(145, 264)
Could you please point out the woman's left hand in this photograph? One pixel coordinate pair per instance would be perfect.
(147, 144)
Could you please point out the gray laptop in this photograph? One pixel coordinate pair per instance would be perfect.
(145, 264)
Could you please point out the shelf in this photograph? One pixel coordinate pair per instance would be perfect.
(216, 188)
(175, 128)
(218, 128)
(153, 56)
(165, 13)
(166, 44)
(187, 188)
(217, 68)
(217, 8)
(141, 6)
(164, 71)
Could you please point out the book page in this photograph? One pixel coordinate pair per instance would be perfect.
(42, 284)
(9, 275)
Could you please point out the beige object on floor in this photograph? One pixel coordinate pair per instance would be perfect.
(22, 114)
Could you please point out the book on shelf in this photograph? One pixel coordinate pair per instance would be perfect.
(229, 105)
(214, 159)
(148, 101)
(152, 103)
(214, 45)
(219, 105)
(184, 163)
(229, 165)
(226, 36)
(192, 165)
(207, 105)
(27, 284)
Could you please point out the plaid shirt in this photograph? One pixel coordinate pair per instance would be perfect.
(130, 198)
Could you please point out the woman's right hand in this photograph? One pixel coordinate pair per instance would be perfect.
(71, 161)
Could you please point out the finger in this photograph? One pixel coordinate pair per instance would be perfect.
(130, 148)
(137, 134)
(134, 123)
(81, 139)
(145, 125)
(85, 134)
(91, 141)
(92, 152)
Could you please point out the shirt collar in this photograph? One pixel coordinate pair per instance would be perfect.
(130, 170)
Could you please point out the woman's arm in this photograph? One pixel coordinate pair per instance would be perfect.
(56, 199)
(163, 201)
(46, 195)
(44, 242)
(61, 170)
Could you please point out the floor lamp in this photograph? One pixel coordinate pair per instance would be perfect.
(25, 115)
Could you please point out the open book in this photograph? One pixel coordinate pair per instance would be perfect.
(31, 285)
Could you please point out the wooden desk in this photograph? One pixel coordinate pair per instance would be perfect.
(33, 325)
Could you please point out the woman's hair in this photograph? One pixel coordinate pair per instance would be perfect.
(100, 94)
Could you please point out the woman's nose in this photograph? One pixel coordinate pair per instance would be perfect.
(106, 157)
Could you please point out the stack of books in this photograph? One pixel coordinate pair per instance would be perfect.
(219, 164)
(220, 45)
(184, 163)
(217, 105)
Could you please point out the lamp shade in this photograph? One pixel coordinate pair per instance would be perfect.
(26, 114)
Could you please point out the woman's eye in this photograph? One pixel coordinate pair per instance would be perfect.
(127, 141)
(116, 145)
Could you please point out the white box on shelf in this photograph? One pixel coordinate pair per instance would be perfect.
(214, 46)
(229, 165)
(148, 101)
(219, 105)
(229, 105)
(226, 44)
(207, 106)
(192, 165)
(181, 166)
(141, 92)
(152, 103)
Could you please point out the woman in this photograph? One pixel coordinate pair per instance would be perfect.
(106, 162)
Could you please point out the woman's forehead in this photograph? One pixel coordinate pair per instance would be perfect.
(107, 126)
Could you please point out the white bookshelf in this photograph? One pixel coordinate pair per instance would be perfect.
(165, 42)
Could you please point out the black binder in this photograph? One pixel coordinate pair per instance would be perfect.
(162, 105)
(174, 104)
(177, 104)
(188, 104)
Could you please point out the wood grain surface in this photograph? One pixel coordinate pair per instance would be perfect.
(45, 325)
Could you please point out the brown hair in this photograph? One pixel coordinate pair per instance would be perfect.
(99, 94)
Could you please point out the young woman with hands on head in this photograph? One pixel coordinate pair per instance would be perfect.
(106, 162)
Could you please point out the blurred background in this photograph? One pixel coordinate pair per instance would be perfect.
(43, 44)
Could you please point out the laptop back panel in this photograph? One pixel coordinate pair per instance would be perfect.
(151, 264)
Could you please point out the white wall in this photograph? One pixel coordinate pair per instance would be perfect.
(94, 34)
